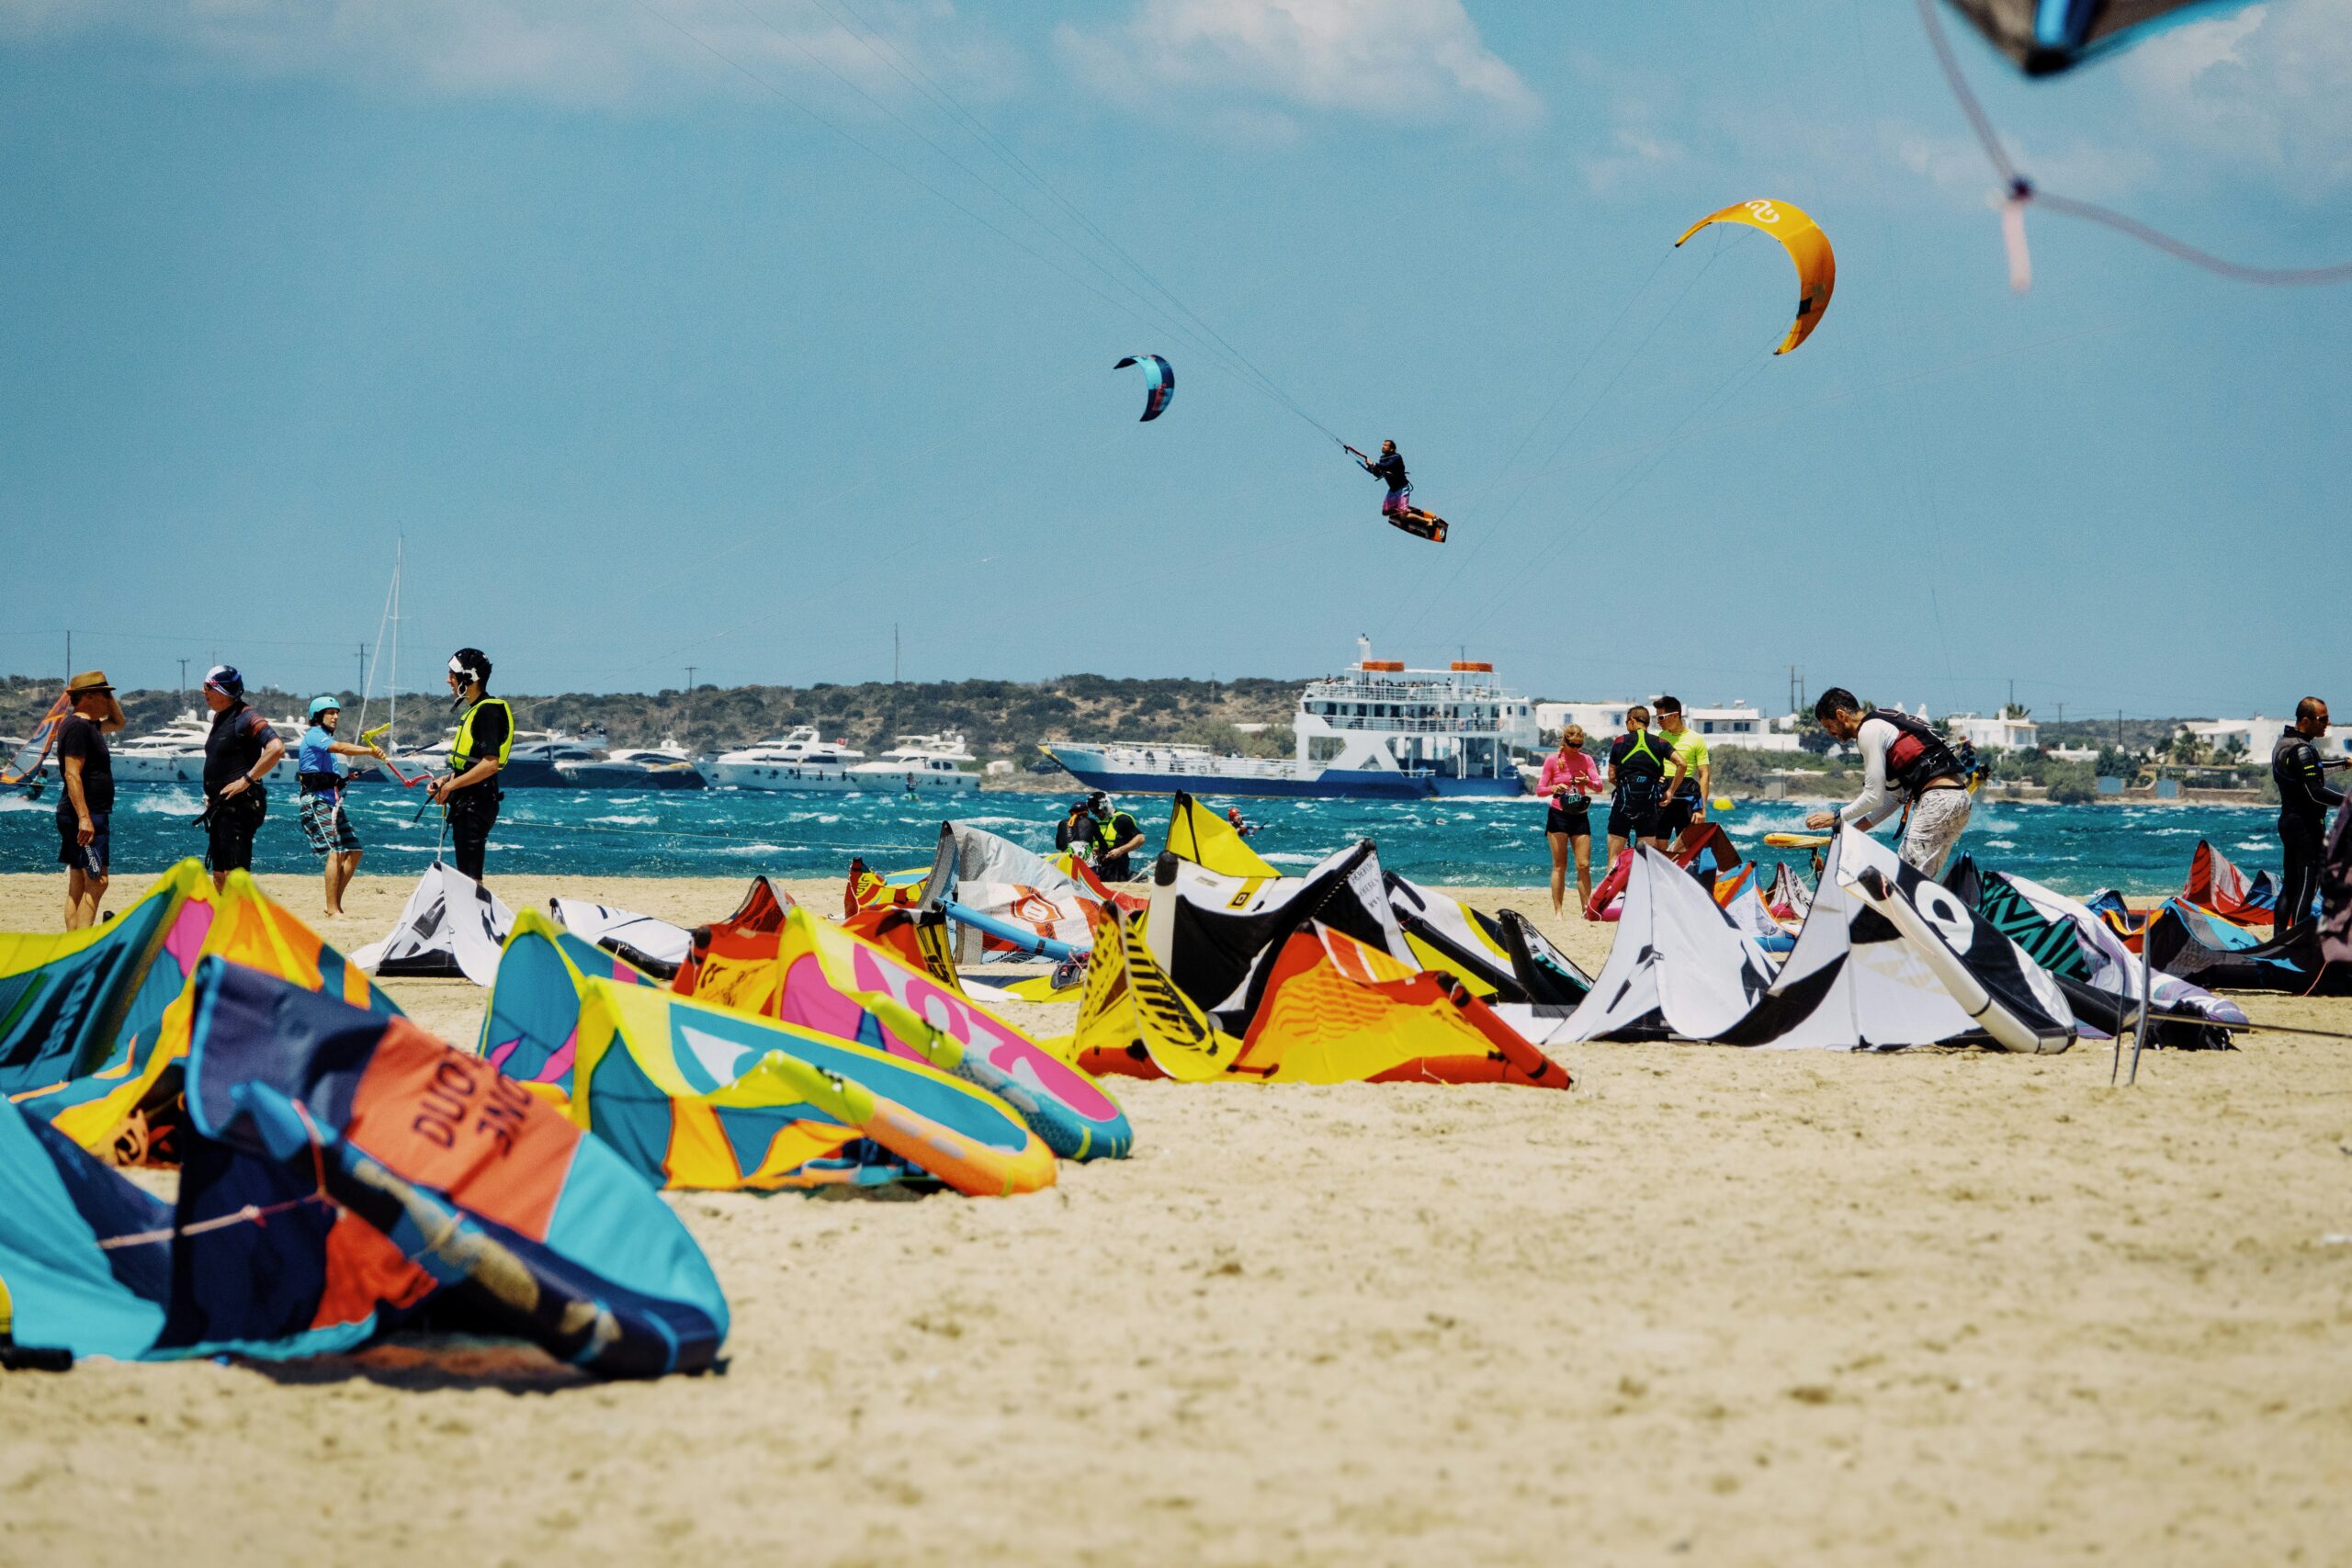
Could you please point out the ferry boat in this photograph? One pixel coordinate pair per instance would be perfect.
(801, 761)
(1380, 732)
(920, 764)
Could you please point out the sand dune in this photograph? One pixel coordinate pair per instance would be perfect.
(1723, 1306)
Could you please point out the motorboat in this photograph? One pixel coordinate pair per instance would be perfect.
(801, 761)
(175, 754)
(920, 764)
(666, 766)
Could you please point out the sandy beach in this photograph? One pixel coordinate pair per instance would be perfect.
(1713, 1305)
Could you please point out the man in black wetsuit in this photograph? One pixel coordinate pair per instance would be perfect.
(1640, 764)
(2305, 800)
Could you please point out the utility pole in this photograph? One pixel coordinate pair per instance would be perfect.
(2013, 694)
(69, 662)
(2119, 729)
(183, 690)
(361, 689)
(690, 705)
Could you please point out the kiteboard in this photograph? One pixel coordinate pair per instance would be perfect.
(1795, 841)
(1421, 525)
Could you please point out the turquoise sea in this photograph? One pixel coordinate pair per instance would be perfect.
(2076, 849)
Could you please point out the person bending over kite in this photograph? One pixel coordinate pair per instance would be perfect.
(1397, 505)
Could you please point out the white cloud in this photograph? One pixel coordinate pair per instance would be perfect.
(1409, 60)
(2268, 88)
(581, 51)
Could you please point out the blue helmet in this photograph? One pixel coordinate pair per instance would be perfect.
(325, 705)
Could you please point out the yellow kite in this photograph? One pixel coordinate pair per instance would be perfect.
(1807, 246)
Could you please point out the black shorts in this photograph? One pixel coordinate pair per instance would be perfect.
(1575, 820)
(1633, 822)
(93, 858)
(228, 829)
(1675, 815)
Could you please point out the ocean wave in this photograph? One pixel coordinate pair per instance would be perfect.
(627, 821)
(170, 803)
(15, 802)
(2001, 843)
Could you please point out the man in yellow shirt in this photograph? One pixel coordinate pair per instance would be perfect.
(1686, 808)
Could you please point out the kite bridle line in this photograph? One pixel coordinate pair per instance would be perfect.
(2022, 192)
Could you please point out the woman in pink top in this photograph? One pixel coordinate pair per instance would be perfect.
(1569, 778)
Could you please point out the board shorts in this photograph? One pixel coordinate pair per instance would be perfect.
(1397, 503)
(229, 828)
(326, 826)
(1676, 815)
(1937, 818)
(93, 858)
(1575, 820)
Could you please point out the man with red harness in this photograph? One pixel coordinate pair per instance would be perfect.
(1906, 766)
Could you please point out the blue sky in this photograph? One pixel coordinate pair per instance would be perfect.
(730, 333)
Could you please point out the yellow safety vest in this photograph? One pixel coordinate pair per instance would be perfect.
(461, 753)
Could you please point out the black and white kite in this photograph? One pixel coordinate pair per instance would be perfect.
(453, 928)
(655, 946)
(1888, 959)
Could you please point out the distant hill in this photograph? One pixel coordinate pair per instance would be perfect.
(1000, 718)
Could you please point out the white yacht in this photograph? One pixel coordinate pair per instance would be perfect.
(920, 763)
(175, 754)
(801, 761)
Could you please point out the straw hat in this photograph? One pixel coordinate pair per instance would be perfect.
(89, 681)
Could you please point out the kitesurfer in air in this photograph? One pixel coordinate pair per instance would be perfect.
(485, 735)
(2304, 799)
(1397, 505)
(1906, 766)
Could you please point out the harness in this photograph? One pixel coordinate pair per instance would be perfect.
(1919, 755)
(1641, 789)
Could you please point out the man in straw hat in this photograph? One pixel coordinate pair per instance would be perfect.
(86, 805)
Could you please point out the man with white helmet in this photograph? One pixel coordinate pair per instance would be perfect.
(485, 735)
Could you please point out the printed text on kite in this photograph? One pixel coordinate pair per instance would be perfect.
(1807, 246)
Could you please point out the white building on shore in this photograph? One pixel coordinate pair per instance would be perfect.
(1995, 734)
(1738, 724)
(2258, 734)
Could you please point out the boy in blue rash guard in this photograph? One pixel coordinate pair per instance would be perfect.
(320, 779)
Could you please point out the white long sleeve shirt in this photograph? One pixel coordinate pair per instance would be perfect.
(1879, 799)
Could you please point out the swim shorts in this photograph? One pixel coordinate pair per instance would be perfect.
(1675, 815)
(324, 824)
(1636, 823)
(92, 857)
(1398, 501)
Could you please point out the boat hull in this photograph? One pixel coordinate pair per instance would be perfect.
(913, 782)
(782, 780)
(1331, 784)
